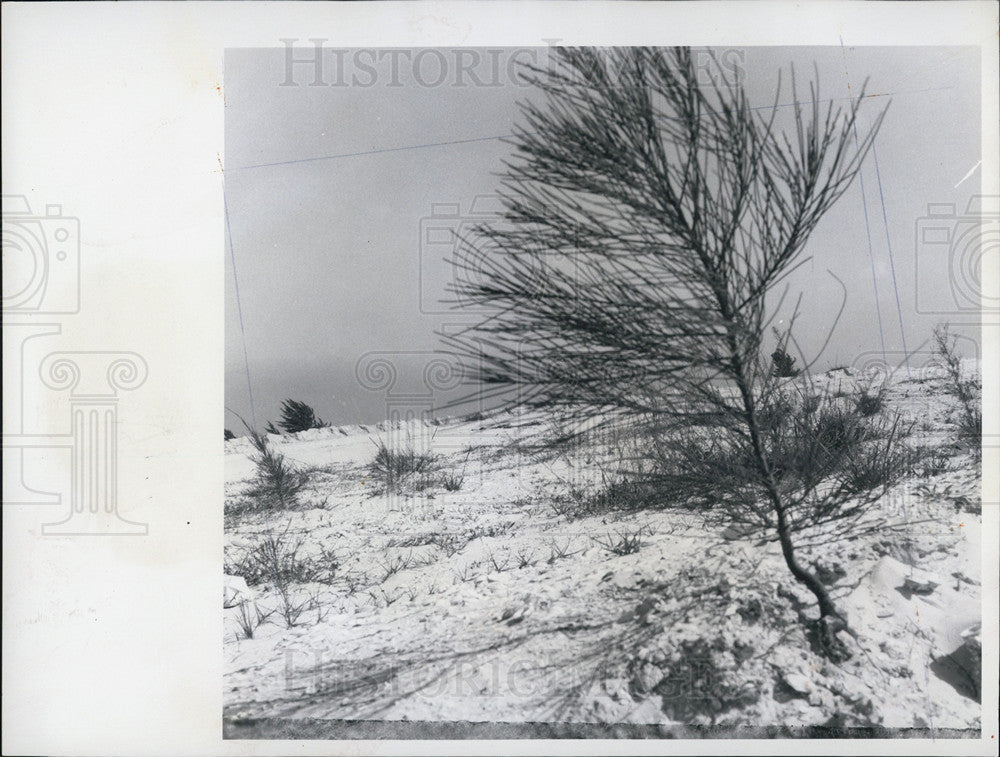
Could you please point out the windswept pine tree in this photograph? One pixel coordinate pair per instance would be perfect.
(651, 210)
(298, 416)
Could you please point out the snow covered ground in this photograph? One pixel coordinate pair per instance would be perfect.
(483, 595)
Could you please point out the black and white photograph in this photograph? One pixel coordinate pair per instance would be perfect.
(523, 377)
(617, 392)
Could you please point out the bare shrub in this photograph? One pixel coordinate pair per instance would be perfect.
(291, 607)
(618, 492)
(275, 559)
(967, 390)
(464, 573)
(393, 565)
(525, 558)
(393, 467)
(828, 463)
(498, 565)
(452, 481)
(448, 543)
(622, 542)
(930, 462)
(870, 400)
(250, 617)
(559, 551)
(379, 596)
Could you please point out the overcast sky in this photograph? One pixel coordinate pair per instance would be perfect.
(330, 191)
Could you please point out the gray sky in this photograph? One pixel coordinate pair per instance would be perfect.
(332, 260)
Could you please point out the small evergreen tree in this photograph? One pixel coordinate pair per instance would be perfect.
(784, 364)
(298, 416)
(648, 215)
(278, 482)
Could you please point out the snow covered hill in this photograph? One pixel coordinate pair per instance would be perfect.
(496, 585)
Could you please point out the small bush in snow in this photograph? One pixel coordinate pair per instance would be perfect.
(620, 494)
(966, 389)
(623, 542)
(452, 482)
(782, 363)
(525, 558)
(499, 566)
(834, 445)
(278, 483)
(870, 401)
(249, 617)
(393, 565)
(275, 559)
(558, 551)
(449, 543)
(930, 462)
(394, 466)
(298, 416)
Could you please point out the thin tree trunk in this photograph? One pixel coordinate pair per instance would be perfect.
(826, 606)
(803, 576)
(830, 620)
